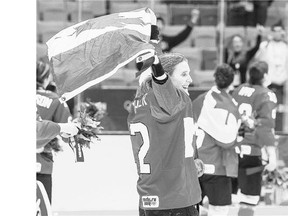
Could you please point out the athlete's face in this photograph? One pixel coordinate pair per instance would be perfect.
(237, 44)
(180, 77)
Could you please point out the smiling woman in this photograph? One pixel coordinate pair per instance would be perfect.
(162, 136)
(176, 66)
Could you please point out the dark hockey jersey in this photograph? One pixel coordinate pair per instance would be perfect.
(50, 108)
(161, 126)
(261, 103)
(218, 122)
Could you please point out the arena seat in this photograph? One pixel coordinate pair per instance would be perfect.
(251, 35)
(210, 58)
(274, 15)
(116, 7)
(204, 36)
(52, 10)
(121, 1)
(208, 15)
(180, 13)
(171, 30)
(90, 9)
(46, 30)
(162, 10)
(193, 54)
(202, 78)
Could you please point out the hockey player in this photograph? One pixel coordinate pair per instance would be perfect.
(45, 131)
(48, 108)
(160, 124)
(255, 101)
(218, 121)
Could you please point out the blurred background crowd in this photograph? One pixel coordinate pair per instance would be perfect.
(237, 32)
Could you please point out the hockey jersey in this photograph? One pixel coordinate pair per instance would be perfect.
(261, 103)
(50, 108)
(218, 121)
(161, 125)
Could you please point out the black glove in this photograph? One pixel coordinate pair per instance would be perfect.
(144, 61)
(157, 69)
(154, 33)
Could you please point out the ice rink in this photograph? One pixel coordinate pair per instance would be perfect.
(105, 184)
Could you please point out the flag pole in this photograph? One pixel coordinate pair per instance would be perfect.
(77, 99)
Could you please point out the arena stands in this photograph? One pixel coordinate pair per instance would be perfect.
(201, 46)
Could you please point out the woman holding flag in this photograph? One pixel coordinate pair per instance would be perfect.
(160, 124)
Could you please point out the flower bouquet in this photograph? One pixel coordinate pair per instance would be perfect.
(278, 177)
(89, 127)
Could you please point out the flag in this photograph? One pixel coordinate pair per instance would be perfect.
(217, 114)
(91, 51)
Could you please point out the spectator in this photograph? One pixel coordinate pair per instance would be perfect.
(167, 43)
(50, 108)
(238, 58)
(218, 121)
(257, 105)
(275, 52)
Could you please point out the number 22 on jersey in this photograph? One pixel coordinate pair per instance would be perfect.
(143, 131)
(145, 168)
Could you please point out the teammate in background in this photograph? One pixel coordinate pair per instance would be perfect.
(167, 43)
(45, 131)
(160, 124)
(218, 121)
(48, 108)
(255, 101)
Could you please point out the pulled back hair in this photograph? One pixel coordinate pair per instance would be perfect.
(224, 76)
(42, 72)
(257, 71)
(168, 62)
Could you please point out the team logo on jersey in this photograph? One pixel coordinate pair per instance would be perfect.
(150, 201)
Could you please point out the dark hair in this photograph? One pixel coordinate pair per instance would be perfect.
(224, 76)
(42, 72)
(257, 71)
